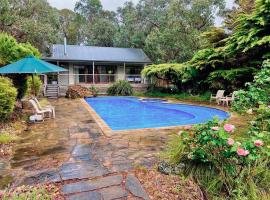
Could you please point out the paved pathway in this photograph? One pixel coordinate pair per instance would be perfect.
(72, 150)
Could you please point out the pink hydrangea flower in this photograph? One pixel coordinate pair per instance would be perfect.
(229, 128)
(230, 141)
(188, 127)
(258, 143)
(215, 128)
(242, 152)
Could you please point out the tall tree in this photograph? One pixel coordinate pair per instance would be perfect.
(73, 26)
(88, 8)
(32, 21)
(179, 38)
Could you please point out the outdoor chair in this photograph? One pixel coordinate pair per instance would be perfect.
(219, 95)
(138, 80)
(131, 79)
(45, 107)
(225, 101)
(40, 112)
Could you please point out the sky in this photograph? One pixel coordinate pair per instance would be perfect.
(112, 5)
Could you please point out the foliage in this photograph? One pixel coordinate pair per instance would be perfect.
(11, 51)
(35, 21)
(176, 74)
(8, 96)
(231, 79)
(257, 92)
(103, 31)
(120, 88)
(88, 8)
(261, 126)
(94, 90)
(45, 192)
(100, 25)
(213, 38)
(153, 25)
(229, 58)
(6, 138)
(33, 85)
(178, 39)
(221, 165)
(243, 7)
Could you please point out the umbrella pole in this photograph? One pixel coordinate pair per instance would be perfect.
(33, 85)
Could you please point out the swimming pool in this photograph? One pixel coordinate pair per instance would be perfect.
(128, 113)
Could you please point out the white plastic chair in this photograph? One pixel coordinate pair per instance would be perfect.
(45, 107)
(131, 79)
(219, 95)
(227, 100)
(40, 112)
(138, 79)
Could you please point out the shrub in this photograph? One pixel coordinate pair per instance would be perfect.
(221, 165)
(8, 96)
(33, 87)
(258, 92)
(120, 88)
(11, 51)
(94, 91)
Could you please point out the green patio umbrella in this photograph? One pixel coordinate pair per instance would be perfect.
(30, 65)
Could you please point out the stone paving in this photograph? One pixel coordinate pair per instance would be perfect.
(73, 151)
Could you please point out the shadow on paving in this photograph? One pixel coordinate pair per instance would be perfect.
(71, 149)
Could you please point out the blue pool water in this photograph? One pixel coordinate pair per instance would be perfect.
(127, 113)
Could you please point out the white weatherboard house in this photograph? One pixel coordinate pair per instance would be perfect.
(98, 66)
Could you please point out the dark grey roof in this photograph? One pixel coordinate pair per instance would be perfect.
(93, 53)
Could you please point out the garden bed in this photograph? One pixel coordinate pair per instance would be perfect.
(168, 187)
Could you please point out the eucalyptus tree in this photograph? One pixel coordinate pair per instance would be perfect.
(73, 26)
(100, 25)
(88, 8)
(179, 38)
(32, 21)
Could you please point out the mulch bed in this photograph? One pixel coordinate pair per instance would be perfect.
(160, 186)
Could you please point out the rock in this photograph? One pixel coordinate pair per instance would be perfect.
(85, 186)
(134, 186)
(81, 149)
(115, 192)
(42, 177)
(85, 196)
(81, 170)
(166, 168)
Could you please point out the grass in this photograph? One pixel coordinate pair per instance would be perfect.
(180, 96)
(6, 138)
(44, 192)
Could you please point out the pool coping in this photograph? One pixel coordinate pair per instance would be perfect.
(109, 132)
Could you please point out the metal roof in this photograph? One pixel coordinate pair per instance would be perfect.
(100, 54)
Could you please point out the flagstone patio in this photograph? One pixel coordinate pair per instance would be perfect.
(72, 150)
